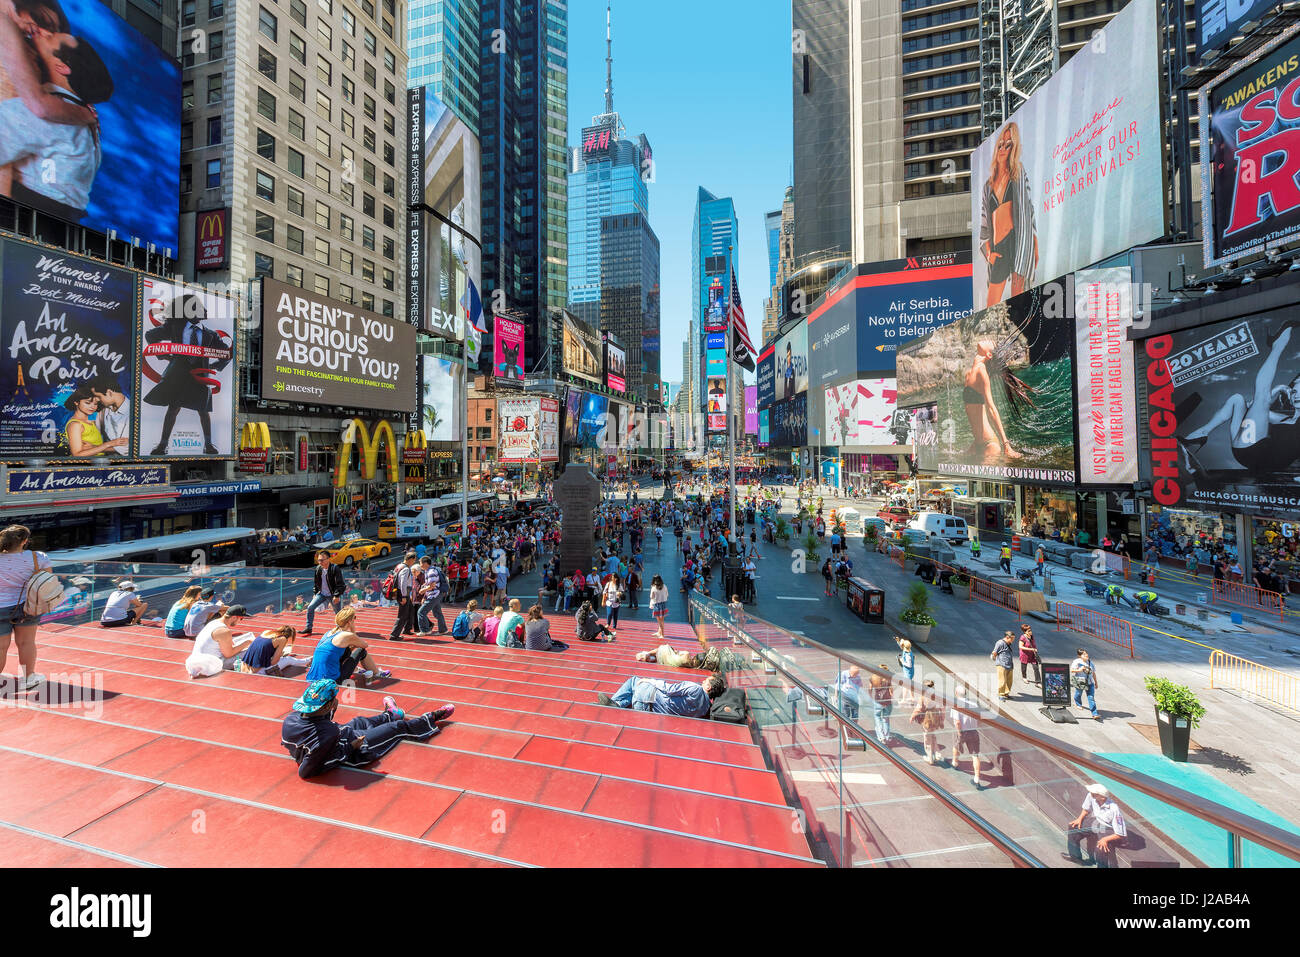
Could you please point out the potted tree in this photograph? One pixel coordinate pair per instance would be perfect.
(782, 531)
(917, 621)
(870, 537)
(1177, 712)
(960, 582)
(811, 555)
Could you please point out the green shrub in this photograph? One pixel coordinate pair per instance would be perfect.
(916, 611)
(810, 549)
(1176, 700)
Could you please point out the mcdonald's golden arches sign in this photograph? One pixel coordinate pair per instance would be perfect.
(210, 229)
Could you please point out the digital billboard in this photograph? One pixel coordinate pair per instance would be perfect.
(715, 354)
(716, 394)
(592, 421)
(581, 349)
(766, 377)
(860, 412)
(861, 322)
(1250, 199)
(507, 348)
(518, 430)
(67, 355)
(445, 221)
(1103, 359)
(789, 426)
(326, 352)
(186, 385)
(715, 317)
(918, 428)
(1076, 174)
(572, 415)
(548, 436)
(764, 426)
(90, 120)
(1217, 21)
(751, 410)
(1002, 380)
(1222, 427)
(792, 362)
(615, 366)
(442, 409)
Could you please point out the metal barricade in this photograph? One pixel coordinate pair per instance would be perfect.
(1116, 631)
(1241, 674)
(1248, 596)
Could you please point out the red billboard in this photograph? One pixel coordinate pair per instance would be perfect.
(211, 227)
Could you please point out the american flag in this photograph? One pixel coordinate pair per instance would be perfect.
(742, 350)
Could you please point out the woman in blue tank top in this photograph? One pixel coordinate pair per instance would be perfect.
(339, 652)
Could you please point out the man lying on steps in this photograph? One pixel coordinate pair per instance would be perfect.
(684, 698)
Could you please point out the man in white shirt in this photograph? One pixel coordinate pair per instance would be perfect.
(114, 412)
(123, 607)
(202, 611)
(966, 726)
(1105, 829)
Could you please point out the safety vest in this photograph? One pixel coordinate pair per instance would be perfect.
(1146, 596)
(1114, 590)
(1006, 551)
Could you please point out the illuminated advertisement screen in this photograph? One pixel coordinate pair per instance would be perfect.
(1071, 176)
(572, 415)
(792, 363)
(93, 136)
(441, 409)
(581, 349)
(751, 410)
(508, 348)
(860, 412)
(615, 367)
(518, 428)
(715, 318)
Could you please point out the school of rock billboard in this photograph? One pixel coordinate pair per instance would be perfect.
(1077, 173)
(186, 386)
(67, 355)
(1221, 429)
(1250, 198)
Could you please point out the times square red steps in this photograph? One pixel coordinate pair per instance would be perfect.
(169, 771)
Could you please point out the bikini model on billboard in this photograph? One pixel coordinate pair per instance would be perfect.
(1266, 431)
(1007, 237)
(989, 438)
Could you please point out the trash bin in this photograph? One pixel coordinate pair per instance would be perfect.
(866, 600)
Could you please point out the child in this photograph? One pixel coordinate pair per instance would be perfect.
(906, 660)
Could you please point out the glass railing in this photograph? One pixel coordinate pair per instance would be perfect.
(884, 771)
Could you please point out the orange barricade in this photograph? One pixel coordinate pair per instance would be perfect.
(897, 555)
(1094, 623)
(995, 594)
(1248, 596)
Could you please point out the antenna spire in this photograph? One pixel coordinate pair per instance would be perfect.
(609, 62)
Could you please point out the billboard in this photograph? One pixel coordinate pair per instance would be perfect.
(445, 223)
(67, 355)
(1076, 174)
(764, 426)
(789, 428)
(211, 239)
(860, 412)
(715, 318)
(766, 377)
(1103, 359)
(1222, 427)
(751, 410)
(792, 363)
(187, 367)
(548, 437)
(442, 406)
(322, 351)
(615, 366)
(592, 420)
(581, 348)
(572, 415)
(1217, 21)
(90, 121)
(859, 324)
(918, 428)
(518, 427)
(597, 141)
(507, 348)
(1002, 380)
(1250, 200)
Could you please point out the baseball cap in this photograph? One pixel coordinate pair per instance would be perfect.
(207, 593)
(318, 694)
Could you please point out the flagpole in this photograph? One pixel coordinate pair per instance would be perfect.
(731, 437)
(464, 412)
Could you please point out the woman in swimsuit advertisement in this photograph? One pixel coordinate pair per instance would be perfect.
(989, 437)
(1008, 241)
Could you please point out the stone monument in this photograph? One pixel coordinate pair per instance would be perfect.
(577, 493)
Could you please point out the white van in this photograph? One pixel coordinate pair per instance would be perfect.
(951, 530)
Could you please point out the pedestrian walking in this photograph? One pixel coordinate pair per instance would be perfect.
(658, 603)
(18, 566)
(850, 690)
(1083, 678)
(612, 597)
(1040, 557)
(1001, 656)
(906, 659)
(1005, 558)
(966, 724)
(882, 704)
(327, 586)
(404, 581)
(1028, 654)
(929, 716)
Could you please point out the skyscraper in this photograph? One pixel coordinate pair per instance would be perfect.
(443, 38)
(523, 129)
(714, 230)
(780, 263)
(613, 251)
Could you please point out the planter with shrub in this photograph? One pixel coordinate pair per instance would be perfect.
(916, 617)
(1177, 711)
(960, 586)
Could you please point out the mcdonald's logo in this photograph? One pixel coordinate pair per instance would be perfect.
(210, 228)
(369, 451)
(415, 440)
(254, 447)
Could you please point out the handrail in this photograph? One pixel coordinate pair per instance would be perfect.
(1233, 821)
(993, 834)
(1280, 685)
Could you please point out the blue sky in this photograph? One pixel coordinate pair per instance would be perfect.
(708, 82)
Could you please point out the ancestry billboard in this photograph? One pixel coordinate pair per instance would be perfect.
(326, 352)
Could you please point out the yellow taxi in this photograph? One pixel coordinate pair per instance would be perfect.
(353, 550)
(387, 529)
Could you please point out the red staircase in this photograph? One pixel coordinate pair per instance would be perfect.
(170, 771)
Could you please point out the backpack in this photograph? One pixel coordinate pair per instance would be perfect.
(730, 706)
(389, 588)
(43, 591)
(460, 627)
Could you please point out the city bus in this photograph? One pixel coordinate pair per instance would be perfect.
(428, 518)
(217, 547)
